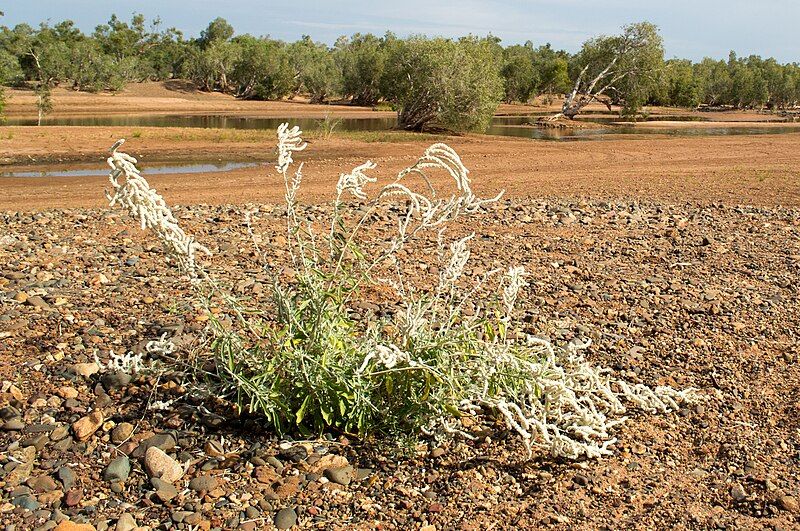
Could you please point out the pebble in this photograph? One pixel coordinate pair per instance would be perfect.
(126, 522)
(165, 491)
(86, 369)
(42, 484)
(117, 470)
(738, 493)
(26, 501)
(285, 518)
(86, 426)
(158, 464)
(14, 425)
(203, 483)
(789, 503)
(67, 477)
(115, 380)
(66, 525)
(340, 475)
(121, 432)
(162, 441)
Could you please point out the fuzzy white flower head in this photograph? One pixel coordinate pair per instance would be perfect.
(289, 141)
(459, 254)
(354, 181)
(145, 204)
(514, 281)
(388, 356)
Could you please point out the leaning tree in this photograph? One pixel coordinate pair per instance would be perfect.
(621, 69)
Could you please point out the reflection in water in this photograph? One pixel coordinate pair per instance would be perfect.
(517, 126)
(146, 170)
(211, 121)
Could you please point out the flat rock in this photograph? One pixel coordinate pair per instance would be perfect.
(164, 490)
(66, 525)
(203, 483)
(86, 426)
(85, 369)
(340, 475)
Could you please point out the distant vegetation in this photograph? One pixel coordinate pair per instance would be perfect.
(454, 84)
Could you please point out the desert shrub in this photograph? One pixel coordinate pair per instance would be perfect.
(444, 83)
(432, 368)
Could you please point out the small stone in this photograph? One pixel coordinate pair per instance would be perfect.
(437, 452)
(266, 474)
(115, 380)
(66, 525)
(581, 480)
(165, 491)
(738, 493)
(158, 464)
(38, 302)
(85, 369)
(789, 503)
(285, 518)
(67, 392)
(117, 470)
(67, 477)
(73, 497)
(162, 441)
(26, 501)
(295, 454)
(341, 475)
(15, 424)
(126, 522)
(203, 483)
(42, 484)
(85, 427)
(59, 433)
(121, 432)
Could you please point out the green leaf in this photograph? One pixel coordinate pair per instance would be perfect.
(301, 413)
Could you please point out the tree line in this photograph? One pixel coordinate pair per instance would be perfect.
(450, 83)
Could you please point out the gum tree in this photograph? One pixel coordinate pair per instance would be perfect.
(621, 69)
(454, 85)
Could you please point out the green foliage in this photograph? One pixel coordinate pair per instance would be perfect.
(211, 66)
(444, 83)
(370, 70)
(681, 86)
(520, 74)
(218, 30)
(262, 70)
(362, 61)
(10, 69)
(315, 70)
(635, 58)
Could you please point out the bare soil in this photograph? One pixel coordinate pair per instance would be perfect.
(759, 169)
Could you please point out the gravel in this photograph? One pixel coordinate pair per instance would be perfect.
(690, 295)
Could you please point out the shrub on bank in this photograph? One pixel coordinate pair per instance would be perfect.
(432, 368)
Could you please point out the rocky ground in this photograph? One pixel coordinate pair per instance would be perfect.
(692, 295)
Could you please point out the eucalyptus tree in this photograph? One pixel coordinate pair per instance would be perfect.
(362, 61)
(620, 68)
(443, 83)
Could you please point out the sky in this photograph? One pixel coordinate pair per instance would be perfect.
(691, 29)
